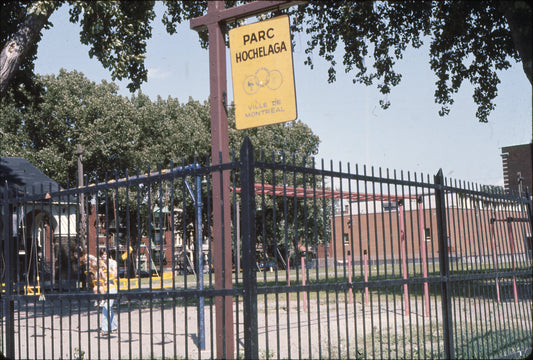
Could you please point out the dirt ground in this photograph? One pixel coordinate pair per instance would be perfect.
(333, 327)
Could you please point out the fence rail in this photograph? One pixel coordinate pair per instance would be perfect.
(327, 263)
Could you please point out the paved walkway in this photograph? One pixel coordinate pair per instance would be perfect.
(326, 326)
(50, 331)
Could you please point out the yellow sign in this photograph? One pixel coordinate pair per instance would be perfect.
(262, 73)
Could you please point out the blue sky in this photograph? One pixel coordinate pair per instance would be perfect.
(408, 136)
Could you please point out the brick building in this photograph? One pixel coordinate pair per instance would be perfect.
(474, 227)
(517, 161)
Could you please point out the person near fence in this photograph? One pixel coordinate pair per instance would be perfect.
(108, 321)
(93, 269)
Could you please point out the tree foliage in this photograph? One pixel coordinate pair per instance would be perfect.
(20, 42)
(115, 31)
(287, 224)
(120, 133)
(468, 40)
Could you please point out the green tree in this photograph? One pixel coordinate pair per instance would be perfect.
(469, 40)
(119, 134)
(170, 130)
(290, 224)
(73, 111)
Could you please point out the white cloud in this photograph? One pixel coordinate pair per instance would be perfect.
(156, 73)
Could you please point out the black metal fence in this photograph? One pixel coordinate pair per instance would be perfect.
(327, 263)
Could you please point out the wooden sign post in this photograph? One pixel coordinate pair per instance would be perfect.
(214, 21)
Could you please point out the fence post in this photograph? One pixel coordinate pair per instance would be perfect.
(444, 265)
(366, 276)
(251, 350)
(9, 304)
(199, 258)
(403, 254)
(423, 253)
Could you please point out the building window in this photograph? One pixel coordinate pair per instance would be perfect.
(390, 206)
(159, 238)
(427, 234)
(346, 238)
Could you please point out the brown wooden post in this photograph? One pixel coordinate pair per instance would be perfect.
(221, 209)
(215, 19)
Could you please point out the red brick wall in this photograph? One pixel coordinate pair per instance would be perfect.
(469, 231)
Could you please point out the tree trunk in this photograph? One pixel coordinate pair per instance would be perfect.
(16, 48)
(518, 16)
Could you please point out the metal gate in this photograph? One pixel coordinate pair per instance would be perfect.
(327, 263)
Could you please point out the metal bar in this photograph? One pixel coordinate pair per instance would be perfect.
(277, 253)
(236, 255)
(496, 320)
(200, 260)
(374, 230)
(444, 266)
(350, 292)
(414, 325)
(296, 243)
(403, 321)
(513, 260)
(494, 259)
(129, 257)
(328, 311)
(423, 253)
(487, 300)
(324, 217)
(263, 250)
(305, 272)
(476, 248)
(366, 276)
(138, 201)
(251, 350)
(462, 324)
(516, 223)
(388, 255)
(302, 269)
(9, 305)
(209, 211)
(350, 274)
(403, 251)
